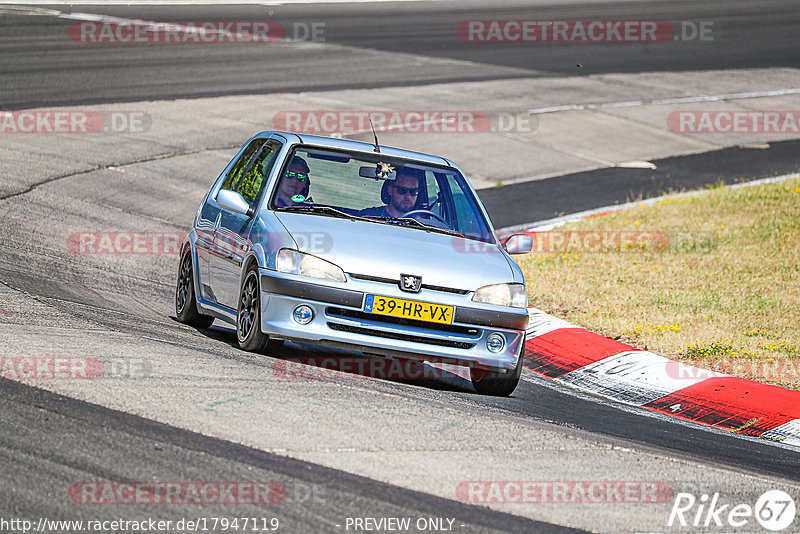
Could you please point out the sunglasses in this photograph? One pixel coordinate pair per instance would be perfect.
(413, 191)
(297, 175)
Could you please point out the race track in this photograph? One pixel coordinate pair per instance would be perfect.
(179, 404)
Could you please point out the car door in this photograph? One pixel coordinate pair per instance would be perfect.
(204, 244)
(211, 215)
(231, 241)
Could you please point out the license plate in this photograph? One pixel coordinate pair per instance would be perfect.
(408, 309)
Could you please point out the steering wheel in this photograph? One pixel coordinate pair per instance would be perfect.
(426, 212)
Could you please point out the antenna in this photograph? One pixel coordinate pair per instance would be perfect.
(377, 148)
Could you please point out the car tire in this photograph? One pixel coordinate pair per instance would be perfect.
(496, 383)
(248, 317)
(185, 303)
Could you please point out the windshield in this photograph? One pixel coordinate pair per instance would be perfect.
(380, 189)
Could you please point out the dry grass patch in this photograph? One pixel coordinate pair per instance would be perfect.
(711, 279)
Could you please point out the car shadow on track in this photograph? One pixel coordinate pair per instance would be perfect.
(302, 361)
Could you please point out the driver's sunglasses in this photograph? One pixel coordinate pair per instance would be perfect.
(403, 191)
(297, 175)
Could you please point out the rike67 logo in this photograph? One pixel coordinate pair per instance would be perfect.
(774, 510)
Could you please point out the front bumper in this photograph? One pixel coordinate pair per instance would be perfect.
(339, 322)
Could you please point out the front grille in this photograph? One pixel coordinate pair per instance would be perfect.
(381, 280)
(396, 335)
(360, 315)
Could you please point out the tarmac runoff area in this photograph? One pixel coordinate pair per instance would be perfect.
(499, 132)
(117, 308)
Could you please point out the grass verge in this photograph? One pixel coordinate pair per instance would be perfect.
(710, 278)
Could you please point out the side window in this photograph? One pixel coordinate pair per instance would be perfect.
(242, 164)
(254, 177)
(467, 214)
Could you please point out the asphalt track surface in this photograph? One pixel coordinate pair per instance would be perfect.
(95, 441)
(67, 439)
(40, 65)
(519, 204)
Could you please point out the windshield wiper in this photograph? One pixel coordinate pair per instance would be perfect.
(398, 221)
(321, 210)
(334, 212)
(413, 223)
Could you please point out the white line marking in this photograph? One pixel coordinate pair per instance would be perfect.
(151, 25)
(636, 164)
(667, 101)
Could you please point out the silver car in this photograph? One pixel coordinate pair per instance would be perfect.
(352, 245)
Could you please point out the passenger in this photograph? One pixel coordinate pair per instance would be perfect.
(399, 195)
(295, 184)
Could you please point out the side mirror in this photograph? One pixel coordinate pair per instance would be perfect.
(233, 201)
(518, 244)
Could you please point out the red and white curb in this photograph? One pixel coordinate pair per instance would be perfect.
(573, 355)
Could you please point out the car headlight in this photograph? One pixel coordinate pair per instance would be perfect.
(294, 262)
(513, 295)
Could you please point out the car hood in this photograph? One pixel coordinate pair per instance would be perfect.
(387, 251)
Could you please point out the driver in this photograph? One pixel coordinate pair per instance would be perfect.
(295, 184)
(402, 194)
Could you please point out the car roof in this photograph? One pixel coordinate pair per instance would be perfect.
(357, 146)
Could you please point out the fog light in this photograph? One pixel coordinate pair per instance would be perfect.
(303, 314)
(495, 343)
